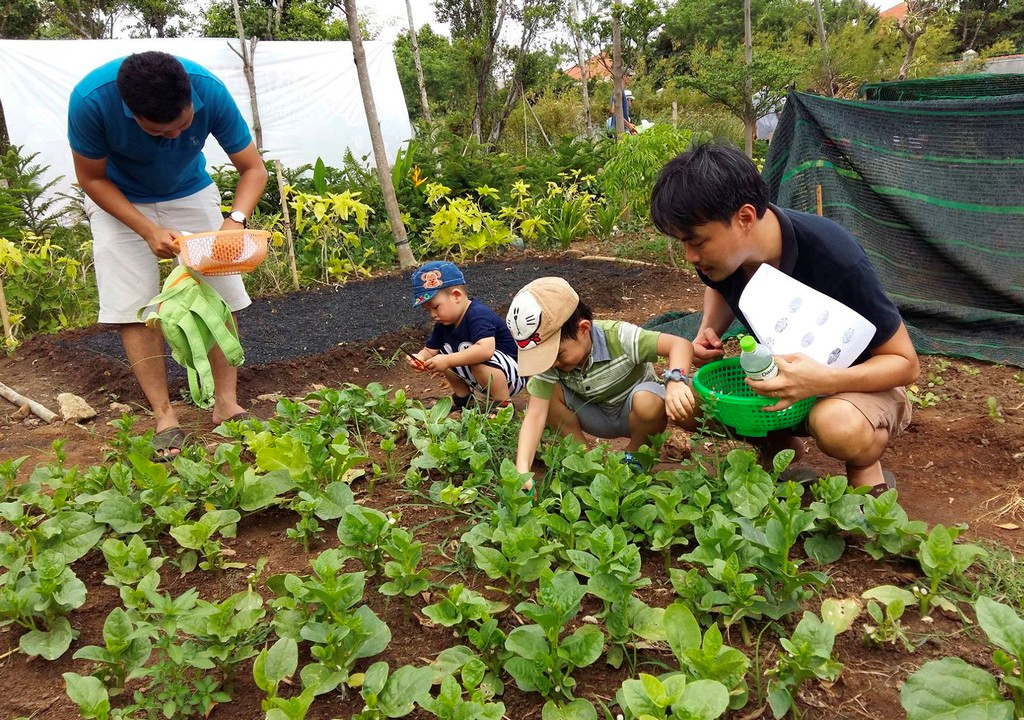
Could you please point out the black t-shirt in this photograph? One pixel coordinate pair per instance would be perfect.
(823, 255)
(479, 322)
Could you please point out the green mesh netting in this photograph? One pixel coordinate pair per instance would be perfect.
(934, 191)
(953, 87)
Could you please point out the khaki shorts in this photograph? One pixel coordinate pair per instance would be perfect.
(608, 422)
(127, 273)
(885, 410)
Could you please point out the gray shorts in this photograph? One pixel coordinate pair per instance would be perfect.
(603, 421)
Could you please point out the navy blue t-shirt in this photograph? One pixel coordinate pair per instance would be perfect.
(479, 322)
(823, 255)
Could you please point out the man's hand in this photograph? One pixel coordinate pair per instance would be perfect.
(799, 377)
(161, 242)
(707, 346)
(679, 401)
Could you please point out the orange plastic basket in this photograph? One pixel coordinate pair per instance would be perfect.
(224, 252)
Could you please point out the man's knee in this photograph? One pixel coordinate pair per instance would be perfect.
(838, 425)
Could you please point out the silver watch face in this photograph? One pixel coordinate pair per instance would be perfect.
(238, 216)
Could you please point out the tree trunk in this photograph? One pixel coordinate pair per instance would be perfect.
(419, 66)
(247, 53)
(912, 38)
(380, 157)
(584, 78)
(5, 138)
(477, 127)
(823, 41)
(617, 88)
(748, 56)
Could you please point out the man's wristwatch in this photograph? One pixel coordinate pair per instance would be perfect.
(674, 375)
(239, 217)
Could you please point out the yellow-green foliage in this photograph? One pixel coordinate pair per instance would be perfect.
(328, 242)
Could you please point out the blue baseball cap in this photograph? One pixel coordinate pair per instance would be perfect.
(435, 275)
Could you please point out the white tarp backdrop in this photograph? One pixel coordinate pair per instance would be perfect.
(308, 94)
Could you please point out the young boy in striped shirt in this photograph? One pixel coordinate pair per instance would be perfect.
(469, 343)
(593, 376)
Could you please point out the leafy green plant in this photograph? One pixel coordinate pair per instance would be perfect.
(707, 657)
(542, 660)
(805, 655)
(954, 688)
(328, 225)
(407, 580)
(324, 609)
(273, 666)
(920, 399)
(886, 605)
(460, 226)
(674, 698)
(126, 649)
(364, 533)
(630, 173)
(392, 695)
(995, 414)
(465, 696)
(89, 694)
(942, 560)
(128, 563)
(39, 595)
(198, 538)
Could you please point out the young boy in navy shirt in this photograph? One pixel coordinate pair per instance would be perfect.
(470, 344)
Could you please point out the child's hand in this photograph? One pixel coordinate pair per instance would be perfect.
(415, 363)
(679, 401)
(439, 363)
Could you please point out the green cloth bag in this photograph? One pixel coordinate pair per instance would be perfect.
(193, 317)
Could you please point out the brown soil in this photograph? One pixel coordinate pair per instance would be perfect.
(958, 463)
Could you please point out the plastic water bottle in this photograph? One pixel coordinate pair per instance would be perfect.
(756, 360)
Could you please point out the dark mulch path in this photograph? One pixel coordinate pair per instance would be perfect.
(308, 323)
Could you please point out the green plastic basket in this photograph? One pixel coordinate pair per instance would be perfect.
(730, 400)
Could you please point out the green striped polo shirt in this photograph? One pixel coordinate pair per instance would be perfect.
(621, 357)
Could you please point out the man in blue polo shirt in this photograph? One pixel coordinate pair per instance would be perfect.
(713, 199)
(137, 127)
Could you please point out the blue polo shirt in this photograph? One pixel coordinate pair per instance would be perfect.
(146, 168)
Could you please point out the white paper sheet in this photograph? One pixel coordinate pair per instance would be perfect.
(790, 317)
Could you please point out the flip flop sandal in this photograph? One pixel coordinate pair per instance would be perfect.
(889, 484)
(800, 475)
(166, 441)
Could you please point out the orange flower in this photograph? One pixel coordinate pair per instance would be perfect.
(416, 179)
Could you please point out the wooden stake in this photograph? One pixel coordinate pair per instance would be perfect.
(20, 400)
(286, 214)
(817, 192)
(675, 114)
(4, 314)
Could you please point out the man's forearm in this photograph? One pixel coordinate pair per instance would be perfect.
(107, 195)
(249, 190)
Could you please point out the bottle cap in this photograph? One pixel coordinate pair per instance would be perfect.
(748, 343)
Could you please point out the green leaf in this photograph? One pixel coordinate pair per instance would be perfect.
(704, 699)
(335, 498)
(578, 709)
(1002, 625)
(682, 629)
(583, 647)
(406, 686)
(275, 664)
(72, 534)
(840, 614)
(48, 645)
(824, 548)
(259, 491)
(527, 641)
(89, 694)
(950, 689)
(122, 514)
(887, 594)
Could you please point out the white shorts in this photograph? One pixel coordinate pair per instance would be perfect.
(127, 274)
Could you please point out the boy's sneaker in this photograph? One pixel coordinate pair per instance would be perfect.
(889, 484)
(632, 462)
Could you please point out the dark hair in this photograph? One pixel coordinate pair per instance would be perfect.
(570, 328)
(154, 86)
(709, 182)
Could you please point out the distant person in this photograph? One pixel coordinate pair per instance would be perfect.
(627, 97)
(469, 343)
(766, 124)
(137, 127)
(713, 199)
(593, 376)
